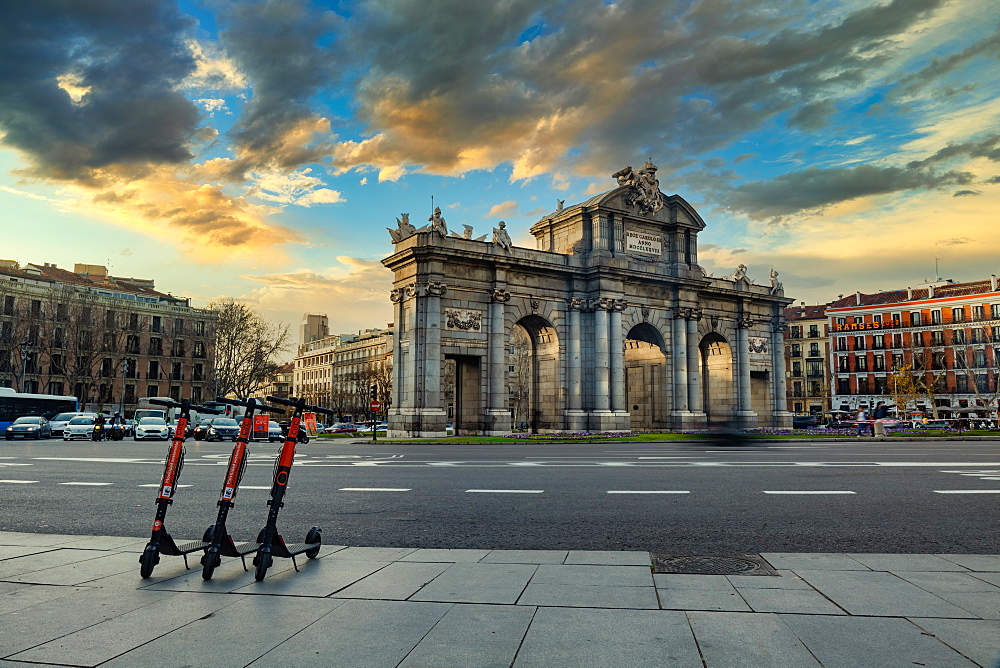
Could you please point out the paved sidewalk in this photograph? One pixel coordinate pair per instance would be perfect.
(79, 601)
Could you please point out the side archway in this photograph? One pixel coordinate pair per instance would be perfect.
(719, 390)
(537, 394)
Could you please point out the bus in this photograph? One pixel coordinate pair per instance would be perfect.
(16, 404)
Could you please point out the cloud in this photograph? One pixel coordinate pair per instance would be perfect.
(956, 241)
(301, 188)
(502, 209)
(966, 193)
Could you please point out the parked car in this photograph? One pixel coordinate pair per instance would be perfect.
(29, 427)
(221, 428)
(934, 424)
(341, 428)
(81, 427)
(59, 422)
(151, 428)
(842, 424)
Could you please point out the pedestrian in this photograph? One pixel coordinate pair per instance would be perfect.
(861, 417)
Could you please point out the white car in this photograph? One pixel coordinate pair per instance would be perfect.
(59, 422)
(80, 427)
(151, 428)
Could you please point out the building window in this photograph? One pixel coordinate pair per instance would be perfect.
(878, 363)
(177, 373)
(958, 315)
(199, 328)
(962, 383)
(813, 331)
(798, 407)
(8, 305)
(878, 342)
(797, 388)
(937, 338)
(795, 332)
(979, 335)
(796, 350)
(157, 325)
(196, 395)
(178, 326)
(977, 312)
(842, 343)
(979, 359)
(154, 370)
(175, 392)
(843, 386)
(796, 368)
(877, 318)
(880, 385)
(814, 350)
(937, 362)
(994, 311)
(897, 361)
(814, 369)
(842, 365)
(841, 321)
(152, 390)
(861, 363)
(863, 385)
(36, 308)
(915, 318)
(859, 343)
(936, 317)
(897, 340)
(199, 349)
(958, 336)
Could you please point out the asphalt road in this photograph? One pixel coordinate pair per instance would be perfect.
(688, 498)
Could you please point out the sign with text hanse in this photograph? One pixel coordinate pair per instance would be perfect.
(643, 243)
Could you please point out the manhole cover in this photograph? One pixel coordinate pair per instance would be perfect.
(711, 564)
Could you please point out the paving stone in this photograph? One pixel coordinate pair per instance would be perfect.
(703, 582)
(975, 562)
(227, 577)
(111, 543)
(941, 582)
(787, 580)
(703, 599)
(30, 539)
(374, 553)
(478, 583)
(880, 595)
(760, 640)
(608, 558)
(798, 601)
(817, 562)
(44, 560)
(526, 557)
(568, 638)
(20, 596)
(992, 578)
(83, 571)
(848, 642)
(615, 576)
(484, 636)
(103, 641)
(589, 596)
(316, 577)
(210, 642)
(446, 556)
(981, 604)
(53, 619)
(358, 634)
(975, 638)
(13, 551)
(397, 581)
(906, 562)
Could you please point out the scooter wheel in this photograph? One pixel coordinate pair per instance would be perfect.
(263, 561)
(209, 562)
(314, 536)
(147, 560)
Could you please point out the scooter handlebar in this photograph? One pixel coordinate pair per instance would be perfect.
(256, 405)
(206, 409)
(166, 402)
(300, 402)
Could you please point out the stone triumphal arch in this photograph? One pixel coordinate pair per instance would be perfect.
(624, 329)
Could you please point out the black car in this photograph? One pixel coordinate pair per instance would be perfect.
(806, 421)
(217, 429)
(29, 427)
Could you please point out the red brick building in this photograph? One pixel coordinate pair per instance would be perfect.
(942, 335)
(807, 354)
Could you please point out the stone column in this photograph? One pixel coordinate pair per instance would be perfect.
(498, 418)
(433, 417)
(780, 416)
(678, 345)
(575, 415)
(744, 407)
(616, 345)
(695, 399)
(602, 361)
(396, 296)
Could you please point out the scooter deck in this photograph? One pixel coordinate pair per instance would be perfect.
(172, 549)
(280, 549)
(229, 548)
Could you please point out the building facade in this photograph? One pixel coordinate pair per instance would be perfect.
(107, 340)
(930, 349)
(807, 355)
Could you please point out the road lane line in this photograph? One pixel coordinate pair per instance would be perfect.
(87, 484)
(504, 491)
(967, 491)
(805, 491)
(648, 491)
(375, 489)
(19, 482)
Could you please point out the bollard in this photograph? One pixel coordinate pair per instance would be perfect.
(879, 428)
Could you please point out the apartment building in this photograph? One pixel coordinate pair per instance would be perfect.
(807, 354)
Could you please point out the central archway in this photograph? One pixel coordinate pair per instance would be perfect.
(645, 379)
(719, 390)
(536, 383)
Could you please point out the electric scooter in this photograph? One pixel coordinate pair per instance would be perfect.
(161, 541)
(272, 544)
(222, 544)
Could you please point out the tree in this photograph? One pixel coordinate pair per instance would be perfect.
(905, 388)
(246, 348)
(520, 378)
(979, 364)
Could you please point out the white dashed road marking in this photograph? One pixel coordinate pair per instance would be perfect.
(808, 492)
(967, 491)
(504, 491)
(374, 489)
(87, 484)
(648, 491)
(19, 482)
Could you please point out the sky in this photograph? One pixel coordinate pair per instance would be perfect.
(259, 149)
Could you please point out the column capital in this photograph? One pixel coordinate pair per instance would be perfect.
(434, 288)
(601, 304)
(576, 304)
(744, 322)
(500, 295)
(618, 305)
(778, 325)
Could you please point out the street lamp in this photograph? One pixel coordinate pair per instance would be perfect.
(25, 356)
(121, 406)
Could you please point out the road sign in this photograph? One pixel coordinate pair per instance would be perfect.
(375, 406)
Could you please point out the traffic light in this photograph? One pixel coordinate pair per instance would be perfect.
(373, 393)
